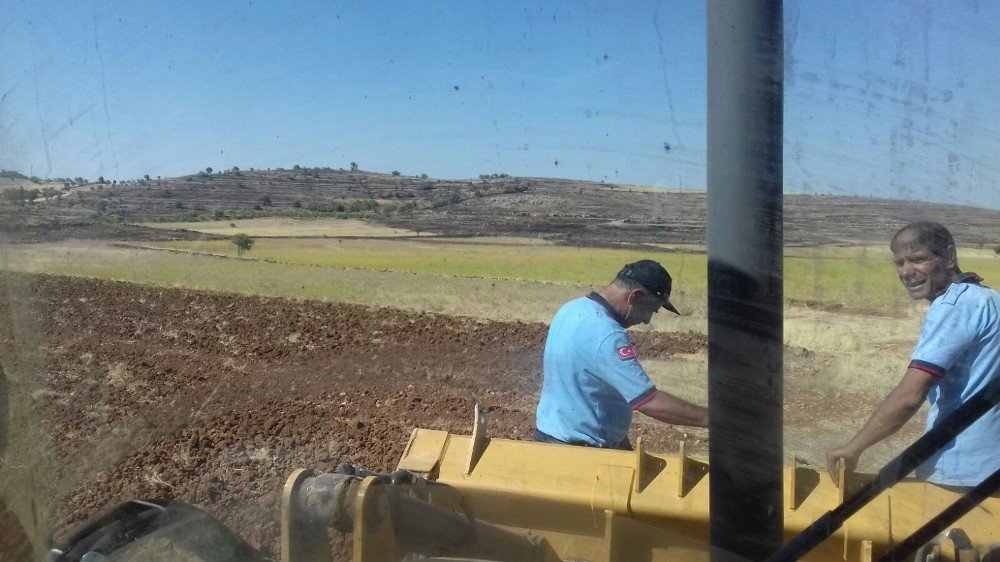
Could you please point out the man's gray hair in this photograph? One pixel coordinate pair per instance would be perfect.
(629, 283)
(931, 235)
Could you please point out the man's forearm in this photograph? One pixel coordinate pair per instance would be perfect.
(897, 409)
(887, 419)
(670, 409)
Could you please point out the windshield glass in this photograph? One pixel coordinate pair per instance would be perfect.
(239, 240)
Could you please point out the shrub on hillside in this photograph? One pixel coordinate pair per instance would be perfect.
(243, 243)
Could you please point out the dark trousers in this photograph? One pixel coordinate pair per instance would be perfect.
(543, 437)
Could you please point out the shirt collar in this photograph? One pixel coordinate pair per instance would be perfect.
(967, 277)
(596, 297)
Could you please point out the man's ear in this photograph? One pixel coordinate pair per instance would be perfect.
(951, 258)
(634, 295)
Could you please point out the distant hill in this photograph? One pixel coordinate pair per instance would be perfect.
(567, 211)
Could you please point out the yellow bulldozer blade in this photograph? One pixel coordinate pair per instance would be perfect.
(478, 498)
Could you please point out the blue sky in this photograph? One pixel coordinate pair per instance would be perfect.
(891, 99)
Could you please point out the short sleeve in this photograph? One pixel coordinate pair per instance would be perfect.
(946, 334)
(619, 367)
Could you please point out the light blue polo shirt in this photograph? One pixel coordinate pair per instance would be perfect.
(592, 378)
(960, 344)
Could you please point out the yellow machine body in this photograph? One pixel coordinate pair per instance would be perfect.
(611, 506)
(478, 498)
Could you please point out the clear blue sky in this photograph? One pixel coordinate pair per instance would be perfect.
(892, 99)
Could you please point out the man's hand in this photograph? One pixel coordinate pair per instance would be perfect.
(835, 457)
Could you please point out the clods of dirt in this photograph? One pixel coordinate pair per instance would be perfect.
(214, 399)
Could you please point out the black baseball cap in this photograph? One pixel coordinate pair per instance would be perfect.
(653, 278)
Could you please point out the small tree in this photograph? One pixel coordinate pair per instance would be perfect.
(243, 243)
(354, 166)
(395, 172)
(996, 250)
(208, 170)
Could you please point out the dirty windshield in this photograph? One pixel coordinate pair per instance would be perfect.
(430, 253)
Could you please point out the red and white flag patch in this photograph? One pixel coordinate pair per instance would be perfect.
(626, 352)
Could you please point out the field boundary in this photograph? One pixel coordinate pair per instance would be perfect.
(132, 246)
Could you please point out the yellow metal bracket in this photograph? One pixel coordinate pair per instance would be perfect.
(647, 467)
(801, 482)
(866, 551)
(374, 536)
(424, 450)
(479, 440)
(689, 471)
(640, 462)
(842, 487)
(301, 539)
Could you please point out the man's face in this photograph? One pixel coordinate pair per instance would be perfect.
(642, 307)
(923, 274)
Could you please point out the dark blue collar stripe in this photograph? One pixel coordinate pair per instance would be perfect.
(596, 297)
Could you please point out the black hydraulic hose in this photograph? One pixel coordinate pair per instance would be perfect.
(921, 450)
(953, 513)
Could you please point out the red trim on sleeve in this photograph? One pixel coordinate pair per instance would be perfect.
(644, 399)
(929, 370)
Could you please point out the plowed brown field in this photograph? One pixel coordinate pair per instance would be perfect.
(214, 399)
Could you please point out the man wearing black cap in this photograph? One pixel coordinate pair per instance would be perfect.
(593, 380)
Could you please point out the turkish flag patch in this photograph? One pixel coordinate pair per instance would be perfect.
(626, 352)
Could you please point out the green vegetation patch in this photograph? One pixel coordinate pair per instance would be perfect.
(478, 297)
(530, 262)
(861, 279)
(842, 279)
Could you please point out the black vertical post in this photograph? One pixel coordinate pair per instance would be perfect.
(745, 87)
